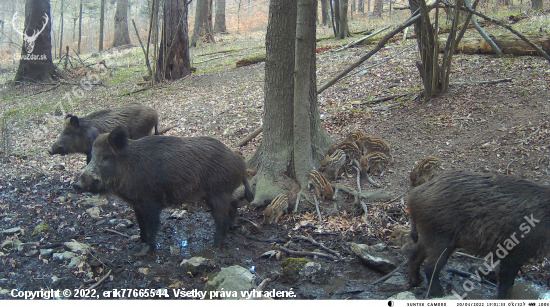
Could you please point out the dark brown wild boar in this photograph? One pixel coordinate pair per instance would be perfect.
(78, 134)
(503, 219)
(155, 172)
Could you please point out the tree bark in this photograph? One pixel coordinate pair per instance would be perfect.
(508, 43)
(101, 24)
(122, 36)
(536, 4)
(378, 7)
(203, 23)
(36, 63)
(173, 56)
(219, 25)
(360, 7)
(343, 28)
(336, 16)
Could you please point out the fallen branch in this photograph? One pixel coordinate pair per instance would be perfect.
(266, 240)
(484, 34)
(370, 195)
(99, 282)
(385, 107)
(387, 276)
(507, 26)
(312, 241)
(359, 41)
(143, 49)
(118, 233)
(262, 285)
(482, 82)
(382, 99)
(250, 136)
(45, 91)
(302, 253)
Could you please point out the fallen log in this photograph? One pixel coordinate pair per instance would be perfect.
(508, 43)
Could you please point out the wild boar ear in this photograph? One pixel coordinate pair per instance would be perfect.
(117, 138)
(93, 133)
(73, 121)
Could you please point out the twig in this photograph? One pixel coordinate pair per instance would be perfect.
(359, 41)
(370, 195)
(468, 255)
(266, 240)
(45, 91)
(143, 49)
(303, 253)
(100, 281)
(262, 285)
(312, 241)
(250, 136)
(387, 276)
(78, 57)
(384, 107)
(118, 233)
(482, 82)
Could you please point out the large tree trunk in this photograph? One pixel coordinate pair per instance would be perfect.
(122, 37)
(203, 23)
(536, 4)
(378, 7)
(343, 28)
(173, 57)
(508, 43)
(79, 27)
(324, 12)
(36, 53)
(219, 25)
(101, 24)
(293, 138)
(336, 16)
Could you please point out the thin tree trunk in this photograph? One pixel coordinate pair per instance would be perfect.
(101, 23)
(61, 30)
(324, 11)
(360, 7)
(79, 27)
(343, 28)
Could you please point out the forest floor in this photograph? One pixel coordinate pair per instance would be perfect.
(500, 128)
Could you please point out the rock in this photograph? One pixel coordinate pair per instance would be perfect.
(195, 265)
(174, 250)
(397, 282)
(4, 291)
(74, 262)
(13, 244)
(314, 273)
(178, 214)
(93, 202)
(61, 199)
(12, 230)
(407, 295)
(93, 212)
(77, 247)
(144, 271)
(269, 254)
(372, 257)
(31, 253)
(232, 280)
(63, 256)
(292, 268)
(39, 229)
(45, 252)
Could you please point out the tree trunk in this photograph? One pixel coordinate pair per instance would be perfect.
(352, 8)
(324, 12)
(203, 23)
(61, 30)
(360, 7)
(336, 16)
(368, 6)
(343, 28)
(219, 26)
(378, 7)
(101, 23)
(36, 53)
(122, 37)
(79, 27)
(508, 43)
(293, 139)
(536, 4)
(173, 57)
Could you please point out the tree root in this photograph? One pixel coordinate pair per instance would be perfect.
(303, 253)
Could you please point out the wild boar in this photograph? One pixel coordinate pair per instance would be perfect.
(156, 172)
(78, 134)
(500, 218)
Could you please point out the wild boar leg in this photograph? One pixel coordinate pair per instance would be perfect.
(509, 268)
(224, 211)
(148, 220)
(436, 260)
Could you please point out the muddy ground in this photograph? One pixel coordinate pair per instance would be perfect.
(497, 128)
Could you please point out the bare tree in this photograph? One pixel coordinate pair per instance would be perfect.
(343, 29)
(79, 27)
(219, 25)
(378, 7)
(324, 12)
(203, 23)
(121, 37)
(61, 30)
(36, 53)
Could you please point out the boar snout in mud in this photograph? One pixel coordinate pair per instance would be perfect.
(78, 134)
(155, 172)
(499, 218)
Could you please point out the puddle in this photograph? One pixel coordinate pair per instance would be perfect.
(337, 283)
(355, 276)
(522, 290)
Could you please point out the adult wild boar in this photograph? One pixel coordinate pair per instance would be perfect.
(503, 219)
(155, 172)
(78, 134)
